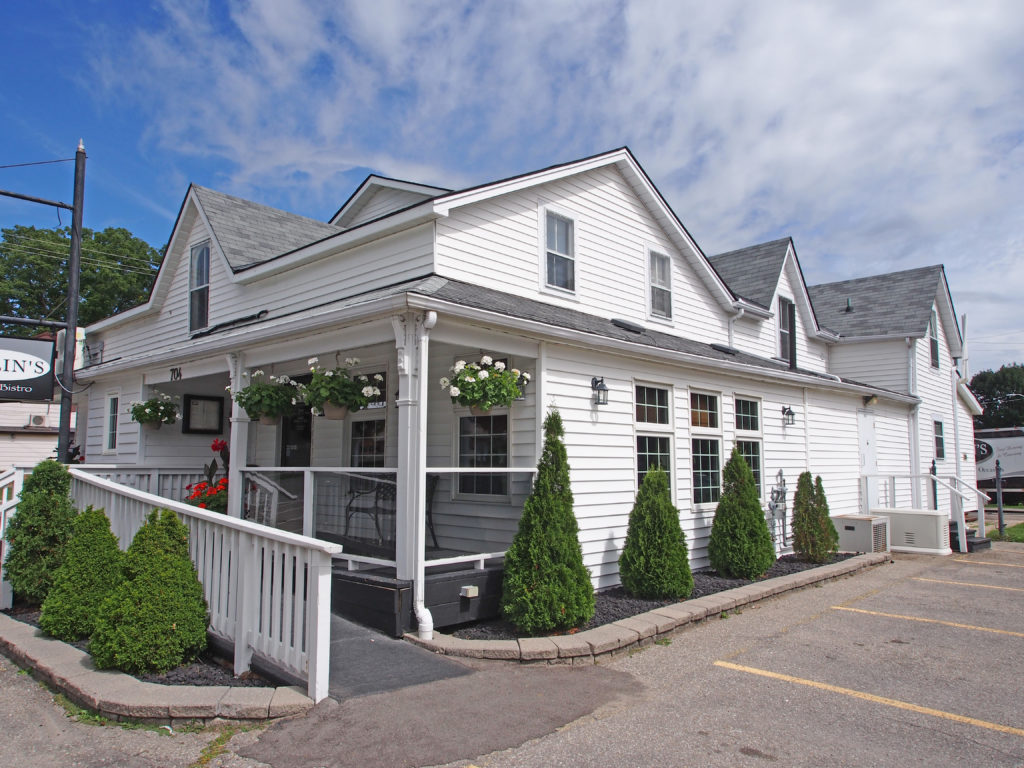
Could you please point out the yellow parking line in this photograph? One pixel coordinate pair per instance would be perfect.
(967, 584)
(876, 699)
(930, 621)
(984, 562)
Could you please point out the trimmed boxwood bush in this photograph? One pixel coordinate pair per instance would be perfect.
(654, 561)
(39, 531)
(92, 569)
(740, 546)
(156, 619)
(546, 586)
(814, 535)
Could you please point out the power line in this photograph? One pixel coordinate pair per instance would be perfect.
(38, 162)
(33, 251)
(43, 241)
(45, 247)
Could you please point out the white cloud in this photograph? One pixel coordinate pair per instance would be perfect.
(881, 135)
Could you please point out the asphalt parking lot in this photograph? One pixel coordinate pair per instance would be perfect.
(913, 663)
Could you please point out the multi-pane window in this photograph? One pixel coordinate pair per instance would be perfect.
(113, 403)
(661, 285)
(652, 451)
(367, 443)
(747, 415)
(933, 339)
(483, 442)
(199, 288)
(651, 405)
(704, 410)
(707, 470)
(750, 450)
(561, 263)
(940, 442)
(786, 322)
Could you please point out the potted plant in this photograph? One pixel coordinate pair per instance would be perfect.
(484, 385)
(154, 412)
(267, 397)
(333, 392)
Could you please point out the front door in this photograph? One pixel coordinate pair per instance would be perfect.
(296, 437)
(868, 460)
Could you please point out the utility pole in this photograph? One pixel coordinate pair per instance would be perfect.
(67, 374)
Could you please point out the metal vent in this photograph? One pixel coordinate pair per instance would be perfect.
(38, 420)
(880, 536)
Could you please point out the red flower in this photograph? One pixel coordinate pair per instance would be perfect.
(218, 445)
(202, 505)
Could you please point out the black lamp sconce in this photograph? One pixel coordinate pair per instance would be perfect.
(600, 390)
(788, 416)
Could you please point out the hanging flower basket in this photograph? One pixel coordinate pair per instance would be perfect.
(267, 398)
(484, 385)
(152, 426)
(269, 421)
(335, 412)
(159, 409)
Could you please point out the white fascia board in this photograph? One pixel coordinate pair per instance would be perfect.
(302, 323)
(881, 337)
(797, 276)
(349, 238)
(595, 341)
(754, 310)
(372, 182)
(944, 304)
(968, 397)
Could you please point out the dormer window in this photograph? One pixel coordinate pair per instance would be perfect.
(199, 288)
(561, 262)
(933, 338)
(661, 285)
(787, 330)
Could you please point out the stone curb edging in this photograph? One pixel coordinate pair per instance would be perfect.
(121, 697)
(610, 640)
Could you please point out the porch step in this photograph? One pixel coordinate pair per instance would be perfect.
(974, 542)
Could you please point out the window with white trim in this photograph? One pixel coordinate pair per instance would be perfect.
(703, 410)
(661, 285)
(933, 338)
(750, 450)
(787, 319)
(560, 266)
(483, 442)
(940, 441)
(110, 438)
(748, 415)
(705, 449)
(748, 436)
(199, 288)
(367, 443)
(651, 405)
(653, 424)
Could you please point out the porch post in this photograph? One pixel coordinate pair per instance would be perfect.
(238, 437)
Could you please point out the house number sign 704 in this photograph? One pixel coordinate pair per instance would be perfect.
(175, 374)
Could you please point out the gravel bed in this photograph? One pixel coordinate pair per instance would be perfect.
(615, 604)
(208, 669)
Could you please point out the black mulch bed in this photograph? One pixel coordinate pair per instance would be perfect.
(615, 604)
(208, 669)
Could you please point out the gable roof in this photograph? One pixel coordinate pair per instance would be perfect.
(371, 185)
(249, 233)
(893, 304)
(753, 272)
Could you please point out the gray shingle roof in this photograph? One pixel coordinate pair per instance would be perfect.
(895, 304)
(250, 233)
(753, 272)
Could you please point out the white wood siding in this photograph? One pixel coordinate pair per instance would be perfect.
(375, 265)
(382, 202)
(892, 446)
(935, 388)
(834, 445)
(498, 244)
(881, 363)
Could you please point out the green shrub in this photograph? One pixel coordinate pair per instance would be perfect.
(546, 586)
(740, 545)
(654, 561)
(92, 569)
(156, 619)
(39, 531)
(814, 535)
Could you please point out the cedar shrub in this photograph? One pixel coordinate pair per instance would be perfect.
(155, 620)
(546, 587)
(740, 546)
(92, 569)
(39, 531)
(654, 562)
(814, 535)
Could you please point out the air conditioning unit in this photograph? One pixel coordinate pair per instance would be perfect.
(39, 420)
(921, 531)
(862, 533)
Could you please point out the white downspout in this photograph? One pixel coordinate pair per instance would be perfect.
(424, 621)
(732, 322)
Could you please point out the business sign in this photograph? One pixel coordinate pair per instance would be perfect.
(26, 369)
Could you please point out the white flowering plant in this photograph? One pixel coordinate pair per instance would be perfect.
(485, 385)
(337, 386)
(265, 395)
(160, 408)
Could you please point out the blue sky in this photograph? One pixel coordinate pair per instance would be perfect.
(879, 135)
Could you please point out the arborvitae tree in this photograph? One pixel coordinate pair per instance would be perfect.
(814, 535)
(39, 531)
(740, 545)
(93, 567)
(654, 561)
(546, 586)
(157, 619)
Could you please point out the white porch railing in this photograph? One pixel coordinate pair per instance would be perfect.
(11, 482)
(169, 482)
(887, 490)
(268, 591)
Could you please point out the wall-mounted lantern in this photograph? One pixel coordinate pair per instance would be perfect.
(600, 390)
(788, 416)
